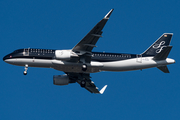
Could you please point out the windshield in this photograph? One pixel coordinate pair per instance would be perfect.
(19, 50)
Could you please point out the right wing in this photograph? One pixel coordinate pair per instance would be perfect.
(88, 84)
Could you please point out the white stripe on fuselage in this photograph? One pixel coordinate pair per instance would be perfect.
(122, 65)
(134, 64)
(31, 62)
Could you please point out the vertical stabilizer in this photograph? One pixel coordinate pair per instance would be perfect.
(164, 54)
(158, 45)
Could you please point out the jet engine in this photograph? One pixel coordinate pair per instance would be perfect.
(61, 80)
(63, 54)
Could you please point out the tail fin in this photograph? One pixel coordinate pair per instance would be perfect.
(158, 45)
(164, 54)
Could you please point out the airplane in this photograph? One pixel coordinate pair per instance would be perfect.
(77, 63)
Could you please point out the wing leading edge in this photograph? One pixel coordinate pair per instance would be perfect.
(89, 41)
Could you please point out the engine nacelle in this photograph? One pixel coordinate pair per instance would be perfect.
(63, 54)
(61, 80)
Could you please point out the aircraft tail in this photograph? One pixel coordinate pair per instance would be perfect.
(162, 56)
(160, 50)
(159, 45)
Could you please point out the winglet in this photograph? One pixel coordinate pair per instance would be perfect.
(103, 89)
(108, 14)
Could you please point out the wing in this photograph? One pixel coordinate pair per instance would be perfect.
(89, 41)
(84, 80)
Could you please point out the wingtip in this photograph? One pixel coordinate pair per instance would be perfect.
(108, 14)
(103, 89)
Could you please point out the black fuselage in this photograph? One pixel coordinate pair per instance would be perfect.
(50, 54)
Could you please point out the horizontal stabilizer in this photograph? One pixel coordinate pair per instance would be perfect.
(163, 54)
(163, 69)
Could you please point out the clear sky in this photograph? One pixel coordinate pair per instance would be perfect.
(133, 26)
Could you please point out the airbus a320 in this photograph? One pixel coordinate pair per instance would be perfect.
(77, 63)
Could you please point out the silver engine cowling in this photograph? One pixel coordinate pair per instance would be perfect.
(63, 54)
(61, 80)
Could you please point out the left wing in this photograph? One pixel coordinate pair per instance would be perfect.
(88, 42)
(84, 80)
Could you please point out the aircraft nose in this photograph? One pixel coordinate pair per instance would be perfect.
(6, 57)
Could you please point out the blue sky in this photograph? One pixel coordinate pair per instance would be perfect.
(132, 28)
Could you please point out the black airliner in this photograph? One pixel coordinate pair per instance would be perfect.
(77, 63)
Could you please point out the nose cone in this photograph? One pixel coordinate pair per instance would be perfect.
(6, 57)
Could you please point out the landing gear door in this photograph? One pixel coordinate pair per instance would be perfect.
(26, 52)
(139, 58)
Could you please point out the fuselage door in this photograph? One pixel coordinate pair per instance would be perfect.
(139, 58)
(26, 52)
